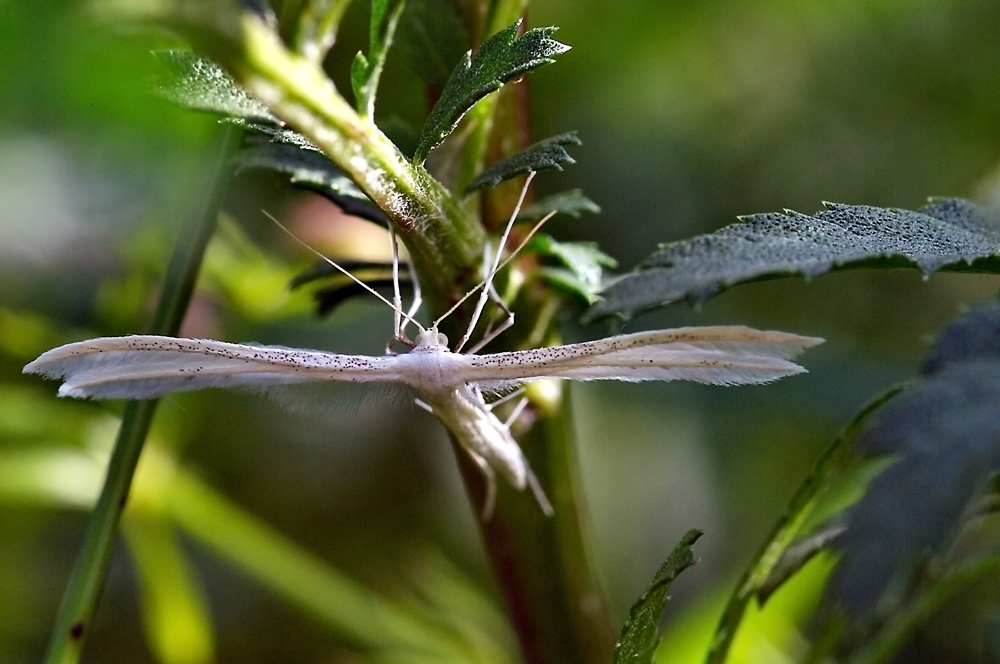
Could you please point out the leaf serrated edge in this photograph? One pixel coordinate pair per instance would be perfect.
(546, 154)
(679, 560)
(443, 119)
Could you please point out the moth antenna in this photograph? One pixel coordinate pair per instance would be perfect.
(343, 271)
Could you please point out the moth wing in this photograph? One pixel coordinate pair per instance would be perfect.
(719, 355)
(147, 366)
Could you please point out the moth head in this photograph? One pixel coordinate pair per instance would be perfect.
(431, 338)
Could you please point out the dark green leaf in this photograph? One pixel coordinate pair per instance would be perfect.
(366, 71)
(796, 555)
(502, 57)
(946, 435)
(202, 85)
(548, 153)
(431, 39)
(276, 134)
(641, 632)
(337, 288)
(310, 169)
(584, 264)
(572, 203)
(950, 233)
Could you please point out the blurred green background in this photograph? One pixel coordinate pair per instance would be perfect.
(691, 113)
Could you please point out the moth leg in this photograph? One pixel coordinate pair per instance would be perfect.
(399, 323)
(418, 298)
(504, 399)
(494, 265)
(539, 492)
(518, 409)
(491, 333)
(490, 501)
(536, 486)
(423, 404)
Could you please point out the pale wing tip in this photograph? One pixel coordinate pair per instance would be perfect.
(38, 366)
(809, 342)
(68, 390)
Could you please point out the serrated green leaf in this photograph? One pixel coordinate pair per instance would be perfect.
(584, 264)
(545, 154)
(641, 632)
(367, 70)
(571, 203)
(431, 39)
(502, 57)
(948, 233)
(276, 133)
(946, 435)
(202, 85)
(359, 75)
(309, 169)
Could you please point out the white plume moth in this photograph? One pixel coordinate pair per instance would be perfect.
(450, 384)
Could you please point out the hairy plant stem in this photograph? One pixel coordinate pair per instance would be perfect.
(76, 612)
(445, 241)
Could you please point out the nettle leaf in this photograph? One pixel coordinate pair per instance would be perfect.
(312, 170)
(584, 265)
(641, 632)
(366, 70)
(431, 38)
(545, 154)
(202, 85)
(502, 57)
(571, 203)
(946, 434)
(947, 233)
(277, 134)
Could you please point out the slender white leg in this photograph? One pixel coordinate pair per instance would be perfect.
(490, 501)
(491, 273)
(418, 297)
(398, 333)
(490, 334)
(505, 398)
(536, 488)
(516, 413)
(423, 404)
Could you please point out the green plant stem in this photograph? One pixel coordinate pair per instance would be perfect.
(444, 240)
(79, 603)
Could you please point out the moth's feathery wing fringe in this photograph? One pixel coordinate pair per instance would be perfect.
(719, 355)
(147, 366)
